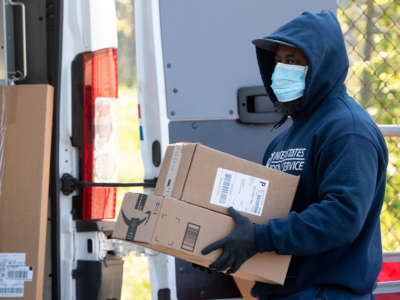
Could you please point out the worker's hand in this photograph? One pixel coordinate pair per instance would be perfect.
(237, 247)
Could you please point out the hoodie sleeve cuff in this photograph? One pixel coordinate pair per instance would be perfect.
(263, 238)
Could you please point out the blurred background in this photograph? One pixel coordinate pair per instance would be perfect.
(136, 285)
(372, 33)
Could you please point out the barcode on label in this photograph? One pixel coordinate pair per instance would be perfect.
(190, 238)
(11, 291)
(258, 201)
(225, 188)
(17, 275)
(243, 192)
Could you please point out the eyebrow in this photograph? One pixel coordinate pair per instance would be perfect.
(286, 56)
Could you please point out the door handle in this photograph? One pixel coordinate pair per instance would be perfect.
(255, 107)
(17, 74)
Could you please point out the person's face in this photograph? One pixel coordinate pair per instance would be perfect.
(290, 56)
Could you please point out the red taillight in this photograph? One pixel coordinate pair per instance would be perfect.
(100, 90)
(390, 272)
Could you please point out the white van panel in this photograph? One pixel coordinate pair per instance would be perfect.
(88, 25)
(208, 54)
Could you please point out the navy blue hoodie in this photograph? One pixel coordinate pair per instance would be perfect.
(333, 230)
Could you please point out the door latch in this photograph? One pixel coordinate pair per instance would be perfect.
(255, 106)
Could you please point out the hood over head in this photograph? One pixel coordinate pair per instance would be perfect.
(320, 38)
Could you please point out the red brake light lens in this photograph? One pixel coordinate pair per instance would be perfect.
(100, 91)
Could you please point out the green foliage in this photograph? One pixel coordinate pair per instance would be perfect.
(126, 43)
(371, 30)
(136, 282)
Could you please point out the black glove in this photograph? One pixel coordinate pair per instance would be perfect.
(238, 247)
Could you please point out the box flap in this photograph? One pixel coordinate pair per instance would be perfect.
(138, 217)
(245, 287)
(174, 169)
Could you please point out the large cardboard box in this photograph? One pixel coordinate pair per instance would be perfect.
(181, 229)
(25, 186)
(216, 180)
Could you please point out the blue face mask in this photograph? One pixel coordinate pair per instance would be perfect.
(288, 81)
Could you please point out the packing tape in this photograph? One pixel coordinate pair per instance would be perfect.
(173, 170)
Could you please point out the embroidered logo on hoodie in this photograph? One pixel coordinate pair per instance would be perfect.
(287, 160)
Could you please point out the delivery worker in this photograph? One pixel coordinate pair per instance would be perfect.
(333, 230)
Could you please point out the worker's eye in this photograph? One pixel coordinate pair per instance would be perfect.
(291, 61)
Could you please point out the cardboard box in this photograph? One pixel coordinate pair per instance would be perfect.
(25, 183)
(216, 180)
(181, 229)
(245, 287)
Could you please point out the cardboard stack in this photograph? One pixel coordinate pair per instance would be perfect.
(189, 209)
(25, 189)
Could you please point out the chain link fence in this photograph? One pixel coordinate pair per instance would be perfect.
(371, 29)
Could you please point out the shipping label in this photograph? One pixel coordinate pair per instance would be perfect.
(13, 274)
(243, 192)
